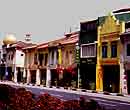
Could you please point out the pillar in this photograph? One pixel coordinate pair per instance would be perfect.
(24, 73)
(60, 56)
(99, 70)
(109, 49)
(123, 80)
(60, 62)
(38, 77)
(48, 77)
(99, 78)
(28, 76)
(15, 74)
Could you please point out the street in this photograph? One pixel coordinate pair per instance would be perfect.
(107, 103)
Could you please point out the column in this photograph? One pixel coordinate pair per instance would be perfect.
(38, 77)
(15, 74)
(60, 62)
(109, 49)
(99, 70)
(123, 79)
(99, 78)
(28, 76)
(60, 56)
(24, 75)
(48, 77)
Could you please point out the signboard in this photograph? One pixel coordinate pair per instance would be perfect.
(77, 59)
(88, 61)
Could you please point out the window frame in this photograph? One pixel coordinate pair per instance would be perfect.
(104, 44)
(113, 43)
(89, 44)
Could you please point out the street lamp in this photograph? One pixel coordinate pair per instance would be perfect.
(78, 61)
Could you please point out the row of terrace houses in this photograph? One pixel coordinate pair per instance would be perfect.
(104, 63)
(105, 48)
(52, 63)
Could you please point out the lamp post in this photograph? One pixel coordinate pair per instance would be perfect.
(78, 62)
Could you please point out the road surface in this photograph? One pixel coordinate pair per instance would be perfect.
(107, 103)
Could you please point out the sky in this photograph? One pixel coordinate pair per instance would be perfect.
(50, 19)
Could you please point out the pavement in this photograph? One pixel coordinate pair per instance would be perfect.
(111, 101)
(111, 96)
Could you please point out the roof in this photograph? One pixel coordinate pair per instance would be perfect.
(44, 45)
(121, 17)
(30, 46)
(122, 10)
(20, 44)
(67, 39)
(91, 21)
(70, 40)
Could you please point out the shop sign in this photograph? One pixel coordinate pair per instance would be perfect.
(89, 61)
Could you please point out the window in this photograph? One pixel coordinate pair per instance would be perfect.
(12, 57)
(57, 56)
(88, 50)
(67, 57)
(104, 50)
(41, 56)
(35, 59)
(128, 49)
(46, 58)
(9, 57)
(113, 49)
(52, 57)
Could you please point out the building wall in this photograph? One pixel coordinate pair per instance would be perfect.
(29, 57)
(68, 55)
(107, 32)
(126, 58)
(10, 59)
(19, 58)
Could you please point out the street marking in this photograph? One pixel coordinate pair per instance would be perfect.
(107, 104)
(56, 95)
(111, 101)
(124, 103)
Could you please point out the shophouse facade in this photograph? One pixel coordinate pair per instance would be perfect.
(30, 64)
(87, 41)
(109, 73)
(46, 63)
(125, 59)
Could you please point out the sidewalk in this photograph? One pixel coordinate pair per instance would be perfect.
(112, 96)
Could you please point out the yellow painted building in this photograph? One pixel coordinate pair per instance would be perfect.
(108, 54)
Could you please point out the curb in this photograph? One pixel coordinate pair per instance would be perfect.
(65, 89)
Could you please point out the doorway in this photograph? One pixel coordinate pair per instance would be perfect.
(88, 76)
(33, 76)
(43, 77)
(128, 81)
(111, 78)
